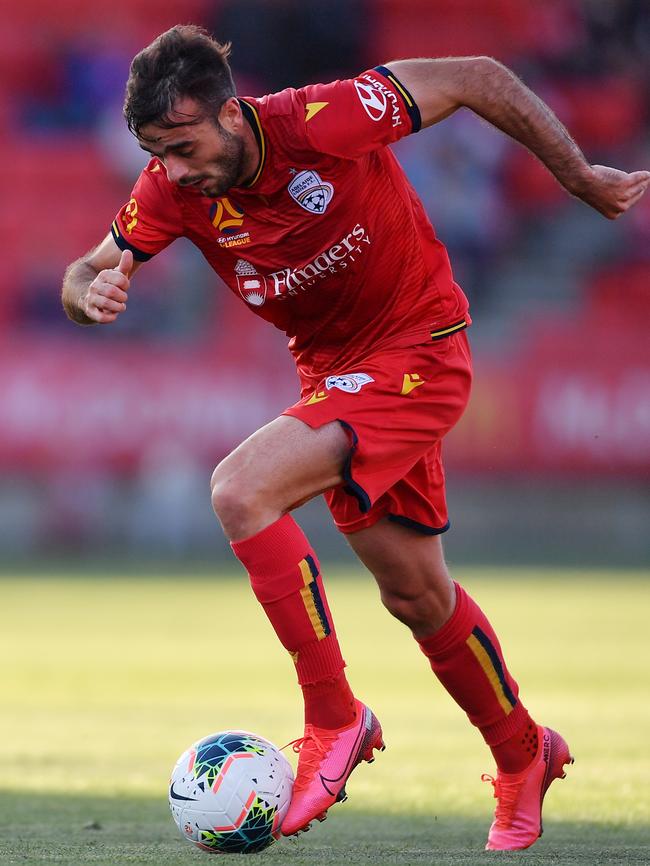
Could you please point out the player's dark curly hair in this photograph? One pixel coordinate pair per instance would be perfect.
(184, 61)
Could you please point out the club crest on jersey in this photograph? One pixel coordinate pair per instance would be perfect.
(310, 191)
(251, 285)
(352, 383)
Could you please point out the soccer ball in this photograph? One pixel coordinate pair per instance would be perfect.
(230, 791)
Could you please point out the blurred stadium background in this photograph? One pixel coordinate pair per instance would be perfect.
(108, 435)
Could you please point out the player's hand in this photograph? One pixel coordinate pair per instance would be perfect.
(107, 294)
(611, 192)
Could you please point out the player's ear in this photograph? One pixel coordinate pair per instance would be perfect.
(230, 116)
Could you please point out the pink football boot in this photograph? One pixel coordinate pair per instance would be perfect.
(518, 816)
(327, 758)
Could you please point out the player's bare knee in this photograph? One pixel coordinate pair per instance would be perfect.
(231, 501)
(404, 606)
(240, 503)
(423, 610)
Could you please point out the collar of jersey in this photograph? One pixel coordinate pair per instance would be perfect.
(250, 113)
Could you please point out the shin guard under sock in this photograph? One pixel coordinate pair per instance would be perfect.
(285, 577)
(466, 657)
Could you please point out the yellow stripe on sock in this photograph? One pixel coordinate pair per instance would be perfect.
(308, 600)
(305, 570)
(488, 669)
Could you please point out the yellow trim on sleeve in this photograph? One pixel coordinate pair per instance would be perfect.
(407, 98)
(457, 327)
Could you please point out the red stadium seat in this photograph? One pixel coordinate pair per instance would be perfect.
(91, 23)
(458, 27)
(604, 113)
(619, 297)
(61, 199)
(26, 65)
(529, 185)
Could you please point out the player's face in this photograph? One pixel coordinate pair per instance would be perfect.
(212, 155)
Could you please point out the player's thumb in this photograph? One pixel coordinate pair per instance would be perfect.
(640, 177)
(126, 263)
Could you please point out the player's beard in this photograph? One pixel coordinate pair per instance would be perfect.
(228, 166)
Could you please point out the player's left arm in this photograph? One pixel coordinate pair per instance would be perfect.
(441, 86)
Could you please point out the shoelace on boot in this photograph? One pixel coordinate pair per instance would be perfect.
(506, 794)
(311, 748)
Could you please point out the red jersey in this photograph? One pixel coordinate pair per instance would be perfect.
(328, 241)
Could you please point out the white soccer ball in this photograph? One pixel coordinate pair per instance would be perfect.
(230, 791)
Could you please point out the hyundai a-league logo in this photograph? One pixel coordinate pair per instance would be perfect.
(352, 383)
(311, 192)
(251, 285)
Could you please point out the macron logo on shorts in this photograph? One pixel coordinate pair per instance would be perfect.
(410, 382)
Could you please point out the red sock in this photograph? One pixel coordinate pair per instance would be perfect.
(516, 753)
(466, 657)
(329, 703)
(285, 577)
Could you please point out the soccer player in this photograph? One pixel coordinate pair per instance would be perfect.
(297, 202)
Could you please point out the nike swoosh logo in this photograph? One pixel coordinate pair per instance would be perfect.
(354, 754)
(175, 796)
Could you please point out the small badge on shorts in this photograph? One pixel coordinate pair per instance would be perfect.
(352, 382)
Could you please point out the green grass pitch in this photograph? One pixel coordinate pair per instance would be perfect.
(104, 682)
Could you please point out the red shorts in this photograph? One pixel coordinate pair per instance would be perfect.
(396, 407)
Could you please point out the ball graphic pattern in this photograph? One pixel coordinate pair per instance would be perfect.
(229, 792)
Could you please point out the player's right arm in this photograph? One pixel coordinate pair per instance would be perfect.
(95, 287)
